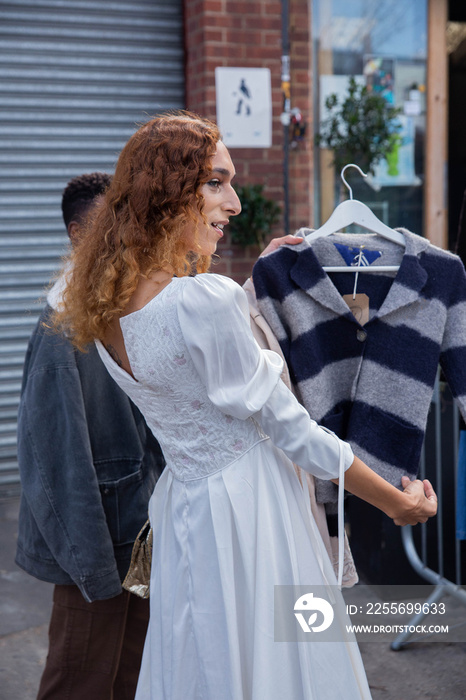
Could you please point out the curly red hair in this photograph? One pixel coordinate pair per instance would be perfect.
(140, 226)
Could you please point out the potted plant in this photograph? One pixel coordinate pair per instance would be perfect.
(258, 216)
(361, 128)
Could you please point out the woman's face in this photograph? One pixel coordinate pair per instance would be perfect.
(220, 201)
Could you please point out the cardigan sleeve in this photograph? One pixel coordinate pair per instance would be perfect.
(271, 284)
(453, 350)
(261, 330)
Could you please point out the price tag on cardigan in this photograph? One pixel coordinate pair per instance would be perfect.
(359, 307)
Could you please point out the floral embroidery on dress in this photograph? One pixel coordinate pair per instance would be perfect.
(197, 439)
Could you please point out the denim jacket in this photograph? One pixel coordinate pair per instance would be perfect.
(88, 466)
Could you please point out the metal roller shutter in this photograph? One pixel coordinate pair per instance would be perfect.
(76, 77)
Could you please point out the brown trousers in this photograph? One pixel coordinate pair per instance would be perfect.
(95, 649)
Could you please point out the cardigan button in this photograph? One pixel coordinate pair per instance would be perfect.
(361, 335)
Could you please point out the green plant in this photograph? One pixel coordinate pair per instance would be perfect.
(258, 215)
(361, 128)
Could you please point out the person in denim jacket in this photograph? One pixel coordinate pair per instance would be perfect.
(88, 466)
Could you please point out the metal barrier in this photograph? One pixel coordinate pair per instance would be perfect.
(444, 469)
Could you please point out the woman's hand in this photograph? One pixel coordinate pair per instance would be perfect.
(415, 504)
(277, 242)
(420, 504)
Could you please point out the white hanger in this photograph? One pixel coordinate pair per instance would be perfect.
(352, 211)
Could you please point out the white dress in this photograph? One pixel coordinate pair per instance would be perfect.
(229, 517)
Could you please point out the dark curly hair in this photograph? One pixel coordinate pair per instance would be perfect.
(80, 193)
(140, 227)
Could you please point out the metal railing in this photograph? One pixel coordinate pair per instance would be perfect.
(441, 467)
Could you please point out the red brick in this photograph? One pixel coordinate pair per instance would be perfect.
(260, 168)
(263, 53)
(250, 9)
(212, 6)
(213, 35)
(234, 51)
(301, 64)
(273, 7)
(248, 37)
(275, 181)
(226, 21)
(300, 34)
(267, 22)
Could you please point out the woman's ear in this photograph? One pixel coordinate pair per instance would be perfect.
(73, 231)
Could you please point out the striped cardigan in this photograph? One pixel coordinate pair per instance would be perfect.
(371, 384)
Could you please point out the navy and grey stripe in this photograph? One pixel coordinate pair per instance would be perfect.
(371, 384)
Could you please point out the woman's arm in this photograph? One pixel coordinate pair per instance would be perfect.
(415, 504)
(244, 381)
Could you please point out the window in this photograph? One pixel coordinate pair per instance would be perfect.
(384, 46)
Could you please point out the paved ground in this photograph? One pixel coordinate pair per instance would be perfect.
(421, 671)
(25, 605)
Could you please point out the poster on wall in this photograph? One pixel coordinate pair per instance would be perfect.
(398, 168)
(244, 106)
(380, 77)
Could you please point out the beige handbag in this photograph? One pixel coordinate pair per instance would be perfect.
(137, 580)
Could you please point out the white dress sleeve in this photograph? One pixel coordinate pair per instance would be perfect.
(243, 380)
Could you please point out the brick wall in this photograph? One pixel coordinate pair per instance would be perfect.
(239, 33)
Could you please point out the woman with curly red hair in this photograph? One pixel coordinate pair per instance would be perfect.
(154, 196)
(230, 520)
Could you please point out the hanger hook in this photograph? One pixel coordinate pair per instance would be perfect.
(342, 175)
